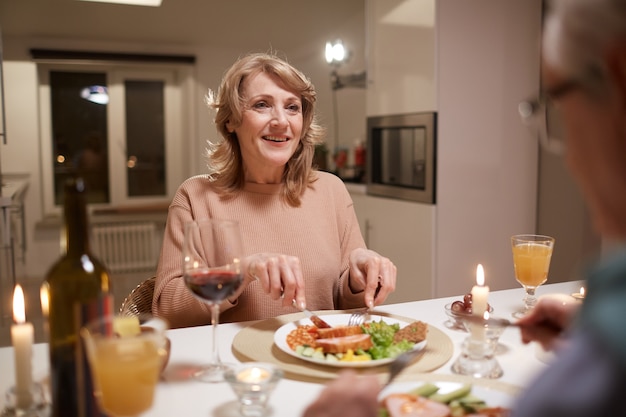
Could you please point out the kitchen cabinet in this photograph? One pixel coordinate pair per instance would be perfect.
(403, 231)
(401, 56)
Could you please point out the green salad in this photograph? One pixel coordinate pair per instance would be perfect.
(382, 336)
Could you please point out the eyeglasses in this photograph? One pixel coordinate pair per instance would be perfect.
(541, 116)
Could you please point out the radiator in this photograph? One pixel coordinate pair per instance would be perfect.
(126, 247)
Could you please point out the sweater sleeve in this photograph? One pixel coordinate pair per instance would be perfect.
(172, 300)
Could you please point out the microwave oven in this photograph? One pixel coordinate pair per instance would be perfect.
(401, 156)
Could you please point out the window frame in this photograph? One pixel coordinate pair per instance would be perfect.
(178, 126)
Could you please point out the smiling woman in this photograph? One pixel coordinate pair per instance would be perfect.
(291, 215)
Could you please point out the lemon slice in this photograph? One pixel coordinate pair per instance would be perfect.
(126, 326)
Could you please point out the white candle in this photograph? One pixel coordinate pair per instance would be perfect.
(22, 338)
(480, 295)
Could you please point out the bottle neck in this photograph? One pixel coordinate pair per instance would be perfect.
(76, 222)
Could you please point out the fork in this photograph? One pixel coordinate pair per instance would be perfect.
(400, 362)
(358, 317)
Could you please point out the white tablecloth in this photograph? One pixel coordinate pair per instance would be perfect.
(179, 395)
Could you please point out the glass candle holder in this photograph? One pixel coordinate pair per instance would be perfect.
(35, 407)
(253, 383)
(477, 358)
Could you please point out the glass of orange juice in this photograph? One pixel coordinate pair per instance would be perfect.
(531, 260)
(125, 356)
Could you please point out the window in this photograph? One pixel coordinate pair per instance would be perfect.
(122, 127)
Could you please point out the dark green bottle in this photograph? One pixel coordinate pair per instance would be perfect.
(79, 291)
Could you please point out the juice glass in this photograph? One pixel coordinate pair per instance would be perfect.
(531, 260)
(125, 357)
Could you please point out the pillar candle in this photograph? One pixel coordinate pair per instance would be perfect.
(22, 339)
(480, 295)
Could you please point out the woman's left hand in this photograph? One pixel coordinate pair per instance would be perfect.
(280, 276)
(372, 273)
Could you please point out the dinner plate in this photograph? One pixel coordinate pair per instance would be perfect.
(494, 394)
(280, 339)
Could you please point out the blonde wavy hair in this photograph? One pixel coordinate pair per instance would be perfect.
(224, 157)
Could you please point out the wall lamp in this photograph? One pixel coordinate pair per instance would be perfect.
(336, 54)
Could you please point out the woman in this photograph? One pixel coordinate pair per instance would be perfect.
(301, 236)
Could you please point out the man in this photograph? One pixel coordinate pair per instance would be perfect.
(584, 77)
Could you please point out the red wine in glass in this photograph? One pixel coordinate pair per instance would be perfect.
(212, 253)
(213, 286)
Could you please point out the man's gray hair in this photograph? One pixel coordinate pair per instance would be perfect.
(577, 33)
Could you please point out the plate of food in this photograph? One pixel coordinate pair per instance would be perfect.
(376, 342)
(462, 397)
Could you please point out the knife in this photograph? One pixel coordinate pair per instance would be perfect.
(317, 321)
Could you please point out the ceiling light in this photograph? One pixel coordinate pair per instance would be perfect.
(152, 3)
(96, 94)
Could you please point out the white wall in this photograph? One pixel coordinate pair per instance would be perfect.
(487, 61)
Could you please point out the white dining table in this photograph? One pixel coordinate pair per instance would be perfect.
(180, 395)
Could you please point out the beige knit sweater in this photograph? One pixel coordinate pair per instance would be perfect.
(321, 233)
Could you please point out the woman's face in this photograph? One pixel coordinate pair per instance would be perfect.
(270, 129)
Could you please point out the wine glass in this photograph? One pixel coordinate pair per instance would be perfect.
(531, 260)
(126, 356)
(212, 250)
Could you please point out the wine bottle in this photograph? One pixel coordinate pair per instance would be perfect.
(79, 291)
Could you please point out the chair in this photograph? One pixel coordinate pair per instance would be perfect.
(139, 301)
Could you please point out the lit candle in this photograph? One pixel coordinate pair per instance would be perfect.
(579, 295)
(254, 375)
(22, 338)
(44, 297)
(254, 378)
(480, 294)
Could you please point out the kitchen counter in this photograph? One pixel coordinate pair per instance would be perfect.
(356, 187)
(14, 188)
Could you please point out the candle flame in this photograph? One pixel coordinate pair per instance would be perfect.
(256, 373)
(44, 296)
(480, 275)
(19, 313)
(582, 291)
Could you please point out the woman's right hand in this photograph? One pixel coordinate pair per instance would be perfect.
(280, 276)
(546, 322)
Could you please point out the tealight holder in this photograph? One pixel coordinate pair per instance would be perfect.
(253, 383)
(26, 404)
(478, 354)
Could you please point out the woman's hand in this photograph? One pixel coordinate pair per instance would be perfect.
(546, 322)
(347, 396)
(372, 273)
(280, 276)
